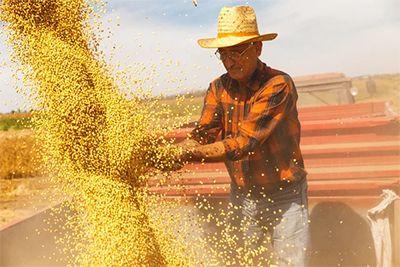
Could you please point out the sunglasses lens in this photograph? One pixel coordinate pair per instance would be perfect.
(232, 55)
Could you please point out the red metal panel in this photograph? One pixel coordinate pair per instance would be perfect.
(368, 109)
(325, 127)
(354, 150)
(211, 178)
(352, 161)
(342, 111)
(344, 188)
(335, 138)
(348, 123)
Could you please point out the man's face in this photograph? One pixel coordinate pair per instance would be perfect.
(240, 61)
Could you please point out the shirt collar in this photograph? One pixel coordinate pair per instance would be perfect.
(257, 77)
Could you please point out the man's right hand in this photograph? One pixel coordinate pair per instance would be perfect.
(182, 158)
(188, 144)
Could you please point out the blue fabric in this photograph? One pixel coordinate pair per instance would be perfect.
(274, 227)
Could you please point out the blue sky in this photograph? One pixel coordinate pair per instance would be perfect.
(157, 40)
(181, 11)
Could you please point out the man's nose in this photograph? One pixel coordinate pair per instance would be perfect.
(228, 62)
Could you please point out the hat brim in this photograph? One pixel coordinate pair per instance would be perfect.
(234, 40)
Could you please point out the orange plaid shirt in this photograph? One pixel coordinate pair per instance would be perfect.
(259, 128)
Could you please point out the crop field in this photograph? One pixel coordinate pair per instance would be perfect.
(388, 89)
(14, 121)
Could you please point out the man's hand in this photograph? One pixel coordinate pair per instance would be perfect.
(188, 144)
(192, 151)
(187, 147)
(214, 152)
(181, 156)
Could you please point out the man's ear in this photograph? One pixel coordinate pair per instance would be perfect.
(258, 48)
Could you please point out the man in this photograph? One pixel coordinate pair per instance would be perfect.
(253, 109)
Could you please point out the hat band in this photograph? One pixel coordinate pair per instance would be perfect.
(236, 34)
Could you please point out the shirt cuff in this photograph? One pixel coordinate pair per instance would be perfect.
(234, 147)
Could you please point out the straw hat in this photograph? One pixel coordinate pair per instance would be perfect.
(236, 25)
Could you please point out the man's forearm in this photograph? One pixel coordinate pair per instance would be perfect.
(208, 153)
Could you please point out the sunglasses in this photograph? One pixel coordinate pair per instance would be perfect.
(234, 55)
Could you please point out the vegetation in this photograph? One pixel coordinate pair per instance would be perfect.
(16, 121)
(387, 89)
(18, 158)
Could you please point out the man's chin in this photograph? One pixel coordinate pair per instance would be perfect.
(235, 76)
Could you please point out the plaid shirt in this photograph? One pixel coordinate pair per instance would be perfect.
(259, 128)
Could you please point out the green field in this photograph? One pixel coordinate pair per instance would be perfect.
(15, 121)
